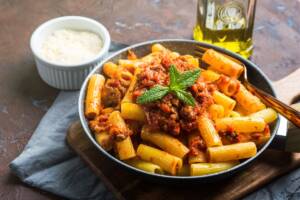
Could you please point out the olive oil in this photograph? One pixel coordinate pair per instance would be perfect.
(228, 24)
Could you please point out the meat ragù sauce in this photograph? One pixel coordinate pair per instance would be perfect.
(163, 113)
(170, 114)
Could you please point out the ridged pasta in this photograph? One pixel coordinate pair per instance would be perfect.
(226, 124)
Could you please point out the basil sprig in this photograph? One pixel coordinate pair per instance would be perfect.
(179, 82)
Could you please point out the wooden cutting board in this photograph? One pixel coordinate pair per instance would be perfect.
(270, 165)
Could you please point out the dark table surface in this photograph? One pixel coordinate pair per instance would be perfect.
(24, 97)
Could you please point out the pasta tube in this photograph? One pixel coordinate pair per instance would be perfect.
(216, 111)
(110, 69)
(209, 75)
(208, 132)
(268, 114)
(241, 124)
(201, 156)
(248, 101)
(93, 96)
(165, 142)
(105, 140)
(130, 65)
(125, 149)
(258, 138)
(199, 169)
(262, 137)
(145, 166)
(132, 111)
(128, 94)
(231, 152)
(167, 162)
(158, 48)
(227, 102)
(125, 77)
(220, 63)
(117, 122)
(228, 86)
(192, 61)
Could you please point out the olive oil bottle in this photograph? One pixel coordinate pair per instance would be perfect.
(226, 23)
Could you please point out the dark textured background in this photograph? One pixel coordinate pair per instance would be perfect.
(24, 98)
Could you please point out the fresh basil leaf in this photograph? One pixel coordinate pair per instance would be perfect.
(174, 75)
(188, 78)
(178, 83)
(185, 97)
(153, 94)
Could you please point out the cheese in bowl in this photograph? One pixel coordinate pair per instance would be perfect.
(67, 48)
(71, 47)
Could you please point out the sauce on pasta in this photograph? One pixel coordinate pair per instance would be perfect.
(167, 135)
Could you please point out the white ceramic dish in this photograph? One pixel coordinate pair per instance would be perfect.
(67, 77)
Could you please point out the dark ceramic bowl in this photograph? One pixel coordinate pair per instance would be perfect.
(256, 76)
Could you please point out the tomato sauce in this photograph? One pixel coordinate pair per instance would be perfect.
(169, 113)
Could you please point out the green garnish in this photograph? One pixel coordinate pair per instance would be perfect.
(153, 94)
(178, 84)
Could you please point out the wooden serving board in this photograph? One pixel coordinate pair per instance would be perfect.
(270, 165)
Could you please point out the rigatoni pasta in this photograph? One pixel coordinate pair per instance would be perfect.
(197, 153)
(130, 65)
(199, 158)
(210, 168)
(128, 94)
(209, 75)
(259, 138)
(227, 102)
(165, 142)
(146, 166)
(208, 132)
(123, 146)
(216, 111)
(125, 149)
(166, 161)
(158, 48)
(231, 152)
(248, 101)
(93, 96)
(241, 124)
(105, 140)
(132, 111)
(269, 115)
(228, 86)
(110, 69)
(162, 114)
(222, 64)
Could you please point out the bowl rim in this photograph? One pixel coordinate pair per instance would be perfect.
(105, 39)
(164, 176)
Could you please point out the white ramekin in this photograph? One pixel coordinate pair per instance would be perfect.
(67, 77)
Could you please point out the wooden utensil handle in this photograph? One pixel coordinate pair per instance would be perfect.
(288, 112)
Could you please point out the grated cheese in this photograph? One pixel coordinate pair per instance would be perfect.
(71, 47)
